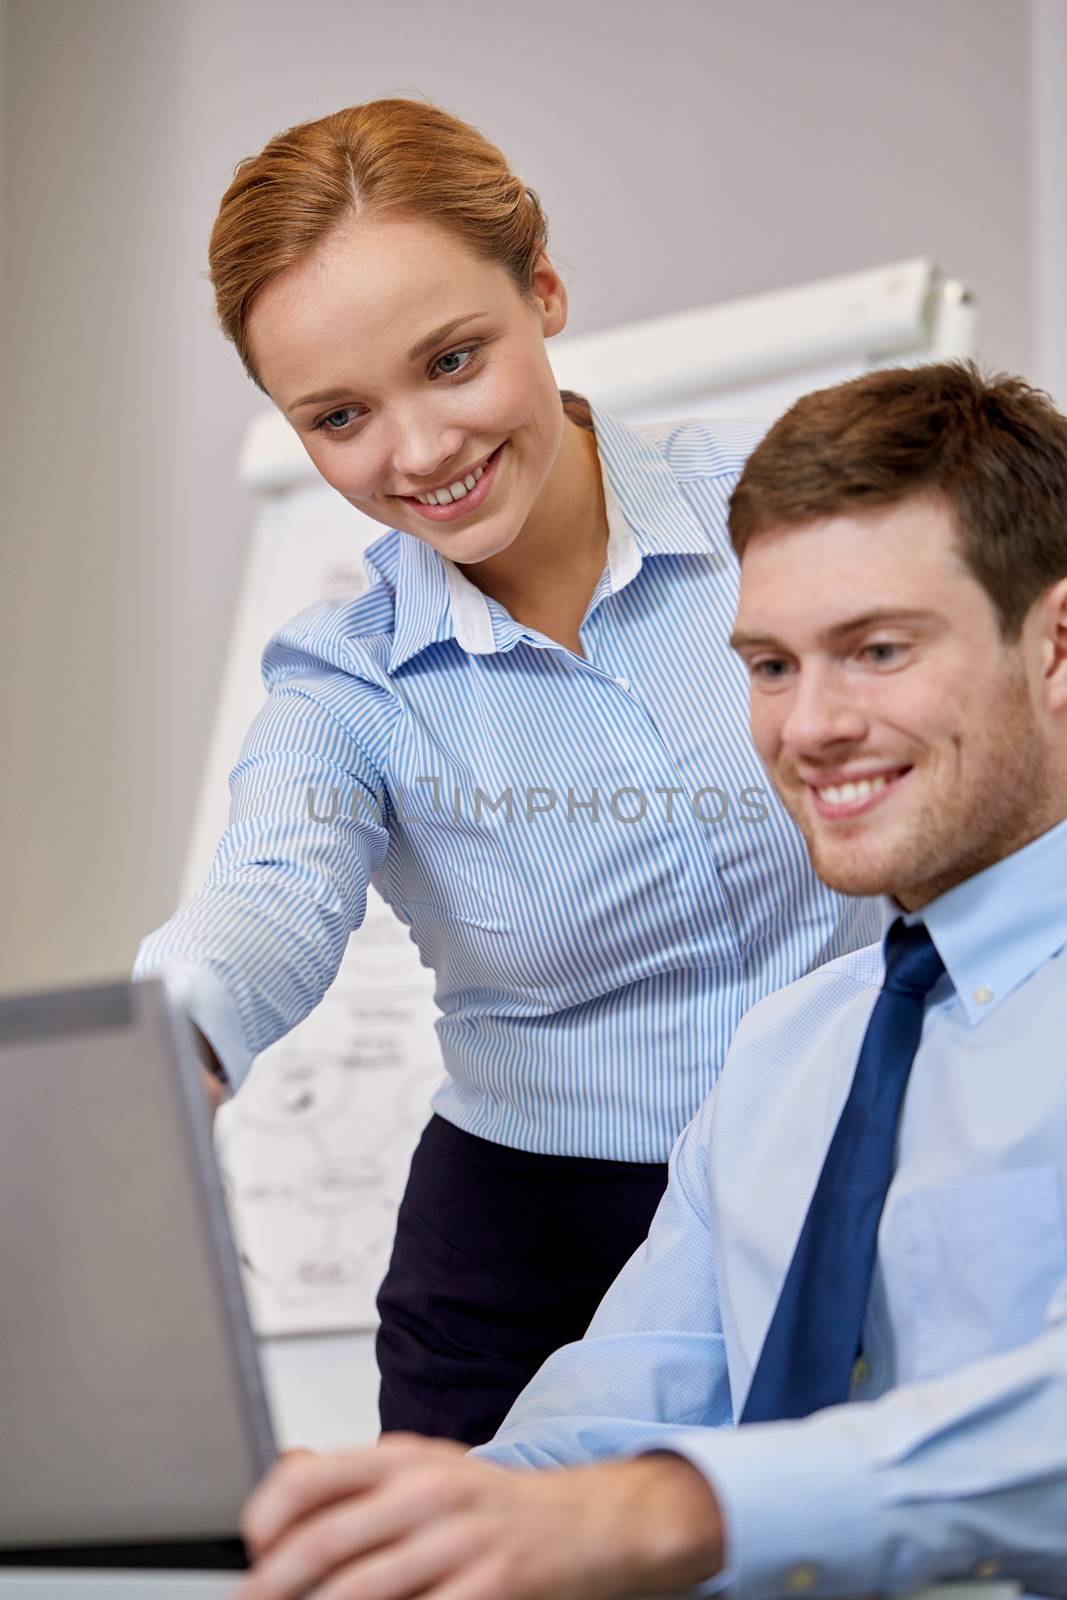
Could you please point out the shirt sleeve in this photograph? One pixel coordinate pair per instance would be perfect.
(206, 1001)
(255, 949)
(654, 1351)
(955, 1477)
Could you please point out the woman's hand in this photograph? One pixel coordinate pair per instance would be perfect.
(214, 1089)
(416, 1517)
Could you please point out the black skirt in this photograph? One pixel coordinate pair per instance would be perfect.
(500, 1257)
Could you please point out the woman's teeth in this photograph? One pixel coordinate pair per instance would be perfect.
(842, 794)
(455, 491)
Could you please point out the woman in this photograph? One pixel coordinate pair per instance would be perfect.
(531, 730)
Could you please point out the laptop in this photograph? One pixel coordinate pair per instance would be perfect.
(132, 1412)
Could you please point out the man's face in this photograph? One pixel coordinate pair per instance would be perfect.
(904, 735)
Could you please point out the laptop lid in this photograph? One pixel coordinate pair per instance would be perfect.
(132, 1414)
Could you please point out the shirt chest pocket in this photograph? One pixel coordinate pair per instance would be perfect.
(445, 892)
(975, 1265)
(448, 858)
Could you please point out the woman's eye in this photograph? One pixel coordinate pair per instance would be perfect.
(447, 370)
(330, 424)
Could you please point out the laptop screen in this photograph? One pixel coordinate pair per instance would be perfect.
(131, 1407)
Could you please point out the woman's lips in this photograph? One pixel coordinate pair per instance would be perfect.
(468, 503)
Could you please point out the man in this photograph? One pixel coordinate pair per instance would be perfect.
(861, 1257)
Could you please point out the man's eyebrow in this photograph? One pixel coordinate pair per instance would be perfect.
(740, 640)
(422, 348)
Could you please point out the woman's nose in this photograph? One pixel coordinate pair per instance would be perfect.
(423, 454)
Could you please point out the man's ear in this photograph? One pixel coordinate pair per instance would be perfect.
(1054, 646)
(550, 294)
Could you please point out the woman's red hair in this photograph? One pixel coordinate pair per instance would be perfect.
(399, 156)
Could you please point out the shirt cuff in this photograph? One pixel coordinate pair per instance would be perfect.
(206, 1001)
(800, 1509)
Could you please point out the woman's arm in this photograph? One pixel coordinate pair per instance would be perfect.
(257, 946)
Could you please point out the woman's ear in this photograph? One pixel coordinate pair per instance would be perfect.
(550, 295)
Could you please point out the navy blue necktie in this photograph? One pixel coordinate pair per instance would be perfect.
(811, 1346)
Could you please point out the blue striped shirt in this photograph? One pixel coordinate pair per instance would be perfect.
(586, 849)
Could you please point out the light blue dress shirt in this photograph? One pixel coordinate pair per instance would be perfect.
(586, 848)
(950, 1458)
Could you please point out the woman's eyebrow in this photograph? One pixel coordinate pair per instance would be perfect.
(424, 346)
(421, 349)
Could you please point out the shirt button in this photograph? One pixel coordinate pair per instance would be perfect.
(800, 1579)
(623, 683)
(983, 995)
(860, 1371)
(987, 1569)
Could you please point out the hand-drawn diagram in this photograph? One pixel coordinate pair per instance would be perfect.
(314, 1150)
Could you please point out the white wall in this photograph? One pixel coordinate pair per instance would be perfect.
(3, 165)
(686, 152)
(1048, 124)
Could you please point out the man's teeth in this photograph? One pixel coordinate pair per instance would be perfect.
(455, 491)
(842, 794)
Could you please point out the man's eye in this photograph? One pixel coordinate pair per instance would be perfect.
(772, 667)
(881, 652)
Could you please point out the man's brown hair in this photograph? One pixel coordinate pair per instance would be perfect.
(994, 448)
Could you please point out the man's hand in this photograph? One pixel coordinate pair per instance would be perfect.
(414, 1517)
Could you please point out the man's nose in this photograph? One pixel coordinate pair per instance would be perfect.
(823, 711)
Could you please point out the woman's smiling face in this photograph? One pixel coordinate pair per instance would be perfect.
(407, 363)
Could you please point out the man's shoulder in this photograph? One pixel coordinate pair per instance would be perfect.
(789, 1049)
(817, 996)
(788, 1033)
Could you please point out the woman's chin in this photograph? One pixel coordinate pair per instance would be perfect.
(470, 550)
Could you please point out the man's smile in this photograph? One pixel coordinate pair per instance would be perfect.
(850, 792)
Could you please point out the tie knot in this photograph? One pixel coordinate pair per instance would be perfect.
(912, 964)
